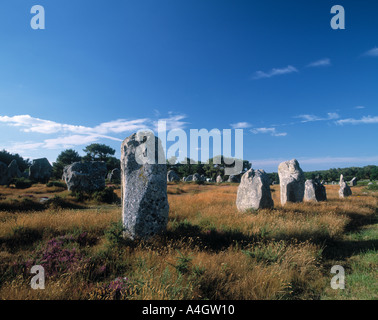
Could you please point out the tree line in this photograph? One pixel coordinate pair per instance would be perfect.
(215, 166)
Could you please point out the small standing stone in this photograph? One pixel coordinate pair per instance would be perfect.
(254, 191)
(345, 190)
(314, 191)
(353, 182)
(40, 170)
(219, 179)
(172, 176)
(291, 181)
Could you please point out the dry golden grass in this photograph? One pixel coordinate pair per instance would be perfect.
(210, 250)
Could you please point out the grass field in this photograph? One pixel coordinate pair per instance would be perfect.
(210, 251)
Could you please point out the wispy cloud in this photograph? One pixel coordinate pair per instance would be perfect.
(363, 120)
(272, 131)
(275, 72)
(75, 135)
(320, 63)
(371, 53)
(240, 125)
(311, 117)
(359, 107)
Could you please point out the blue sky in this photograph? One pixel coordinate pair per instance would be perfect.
(103, 69)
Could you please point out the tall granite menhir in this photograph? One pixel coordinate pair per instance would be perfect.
(144, 186)
(292, 181)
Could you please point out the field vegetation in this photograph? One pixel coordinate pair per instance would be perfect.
(210, 251)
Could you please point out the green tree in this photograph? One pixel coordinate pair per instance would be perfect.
(98, 152)
(65, 158)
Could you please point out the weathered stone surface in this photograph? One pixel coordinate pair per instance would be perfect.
(114, 176)
(315, 191)
(219, 179)
(196, 177)
(189, 178)
(172, 176)
(353, 182)
(291, 181)
(344, 190)
(40, 170)
(85, 176)
(8, 173)
(254, 191)
(234, 179)
(144, 186)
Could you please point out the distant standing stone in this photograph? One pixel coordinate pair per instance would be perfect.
(291, 181)
(314, 191)
(219, 179)
(345, 190)
(85, 176)
(172, 176)
(40, 170)
(353, 182)
(254, 191)
(115, 175)
(189, 178)
(144, 187)
(234, 179)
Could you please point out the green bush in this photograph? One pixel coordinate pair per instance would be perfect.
(56, 184)
(107, 196)
(22, 183)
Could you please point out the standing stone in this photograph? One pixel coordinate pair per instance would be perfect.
(172, 176)
(13, 170)
(114, 176)
(144, 186)
(291, 181)
(40, 170)
(189, 178)
(219, 179)
(234, 179)
(314, 191)
(254, 191)
(196, 177)
(353, 182)
(345, 190)
(85, 176)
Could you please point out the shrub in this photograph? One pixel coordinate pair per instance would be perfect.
(22, 183)
(107, 195)
(56, 184)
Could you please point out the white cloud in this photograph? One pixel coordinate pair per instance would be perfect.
(359, 107)
(75, 135)
(240, 125)
(320, 63)
(363, 120)
(275, 72)
(311, 117)
(371, 53)
(271, 131)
